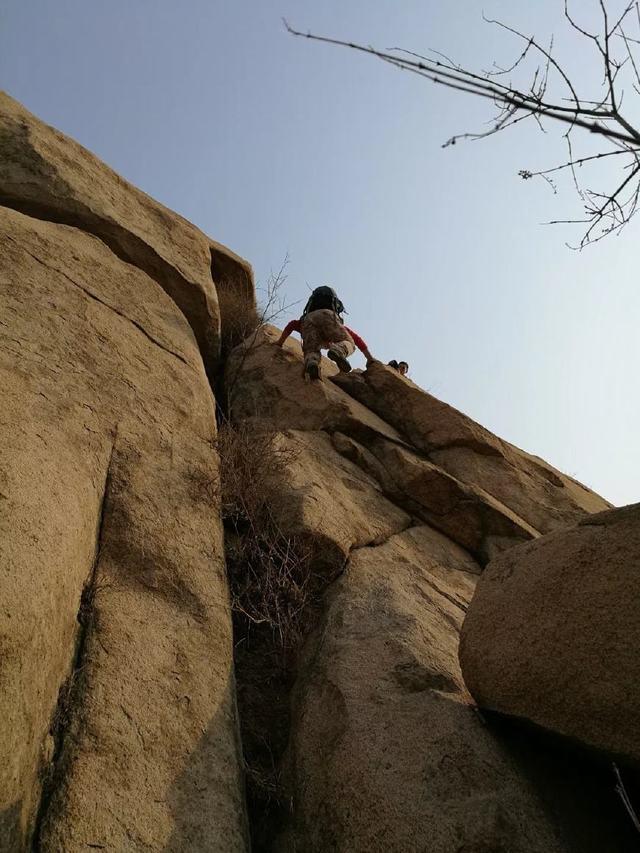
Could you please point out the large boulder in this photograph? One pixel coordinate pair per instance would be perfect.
(386, 751)
(535, 491)
(49, 176)
(117, 685)
(553, 631)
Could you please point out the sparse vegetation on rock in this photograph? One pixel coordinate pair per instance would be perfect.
(294, 563)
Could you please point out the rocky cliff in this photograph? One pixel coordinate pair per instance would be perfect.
(406, 500)
(118, 695)
(339, 528)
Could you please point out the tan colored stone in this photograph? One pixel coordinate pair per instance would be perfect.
(266, 382)
(535, 491)
(108, 482)
(47, 175)
(386, 752)
(331, 501)
(552, 634)
(471, 517)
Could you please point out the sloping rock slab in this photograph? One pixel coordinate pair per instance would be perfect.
(468, 515)
(553, 632)
(331, 501)
(545, 498)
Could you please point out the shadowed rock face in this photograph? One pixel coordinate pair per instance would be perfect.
(536, 492)
(387, 753)
(552, 635)
(116, 679)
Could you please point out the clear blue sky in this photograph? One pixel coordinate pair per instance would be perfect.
(274, 145)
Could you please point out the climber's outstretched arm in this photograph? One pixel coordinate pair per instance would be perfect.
(292, 326)
(364, 349)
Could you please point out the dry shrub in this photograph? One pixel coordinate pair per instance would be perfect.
(241, 317)
(270, 572)
(274, 593)
(241, 321)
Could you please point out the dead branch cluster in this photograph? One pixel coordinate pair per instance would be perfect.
(242, 327)
(547, 93)
(269, 571)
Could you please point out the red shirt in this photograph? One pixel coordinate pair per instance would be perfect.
(294, 326)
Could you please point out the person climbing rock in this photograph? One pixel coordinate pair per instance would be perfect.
(321, 327)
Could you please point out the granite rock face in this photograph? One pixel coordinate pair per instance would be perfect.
(116, 674)
(47, 175)
(553, 632)
(117, 682)
(386, 749)
(387, 753)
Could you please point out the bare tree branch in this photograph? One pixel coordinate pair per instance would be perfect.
(601, 117)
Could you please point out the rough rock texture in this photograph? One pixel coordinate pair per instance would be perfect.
(49, 176)
(471, 517)
(531, 488)
(117, 696)
(352, 513)
(553, 632)
(117, 685)
(386, 752)
(267, 382)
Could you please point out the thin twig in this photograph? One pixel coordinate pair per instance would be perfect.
(622, 793)
(600, 117)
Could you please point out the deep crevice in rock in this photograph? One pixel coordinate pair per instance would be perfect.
(266, 675)
(71, 691)
(266, 681)
(267, 664)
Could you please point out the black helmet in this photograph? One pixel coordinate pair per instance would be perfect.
(323, 297)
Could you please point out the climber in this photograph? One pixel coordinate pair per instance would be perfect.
(321, 327)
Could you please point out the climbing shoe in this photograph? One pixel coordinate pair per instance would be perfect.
(313, 371)
(340, 360)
